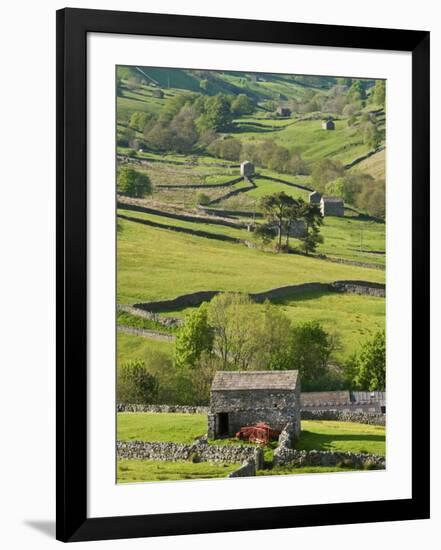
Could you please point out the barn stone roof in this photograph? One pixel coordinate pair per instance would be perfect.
(332, 199)
(255, 380)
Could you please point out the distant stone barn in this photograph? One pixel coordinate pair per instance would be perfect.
(283, 111)
(315, 197)
(332, 206)
(243, 398)
(328, 125)
(158, 93)
(247, 169)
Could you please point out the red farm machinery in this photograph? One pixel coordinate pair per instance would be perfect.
(258, 433)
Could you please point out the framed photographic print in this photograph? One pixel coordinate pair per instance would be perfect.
(242, 275)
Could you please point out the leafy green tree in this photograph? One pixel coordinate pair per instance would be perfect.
(135, 383)
(217, 114)
(311, 348)
(311, 215)
(194, 338)
(370, 365)
(278, 209)
(139, 120)
(263, 233)
(242, 105)
(357, 91)
(133, 183)
(203, 199)
(324, 171)
(379, 93)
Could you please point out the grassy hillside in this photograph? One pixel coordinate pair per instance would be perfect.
(148, 260)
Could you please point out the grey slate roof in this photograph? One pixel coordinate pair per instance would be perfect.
(332, 199)
(255, 380)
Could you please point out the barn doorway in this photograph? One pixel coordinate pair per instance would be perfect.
(222, 424)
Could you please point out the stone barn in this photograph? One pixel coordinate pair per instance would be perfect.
(328, 125)
(332, 206)
(243, 398)
(315, 197)
(283, 111)
(247, 169)
(158, 93)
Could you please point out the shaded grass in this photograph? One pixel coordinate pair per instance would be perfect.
(132, 471)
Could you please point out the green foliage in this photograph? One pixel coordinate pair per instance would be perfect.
(379, 93)
(263, 233)
(193, 338)
(139, 120)
(242, 105)
(279, 209)
(311, 348)
(367, 370)
(133, 183)
(311, 215)
(135, 383)
(202, 199)
(226, 148)
(324, 171)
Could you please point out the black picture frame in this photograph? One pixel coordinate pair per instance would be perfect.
(73, 25)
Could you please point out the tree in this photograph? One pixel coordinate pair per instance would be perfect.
(203, 199)
(278, 208)
(311, 215)
(139, 120)
(324, 171)
(133, 183)
(370, 365)
(217, 115)
(231, 317)
(194, 338)
(311, 348)
(263, 233)
(242, 105)
(379, 93)
(135, 383)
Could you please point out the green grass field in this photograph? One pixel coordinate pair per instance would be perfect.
(327, 435)
(135, 471)
(131, 347)
(177, 427)
(291, 470)
(321, 435)
(354, 318)
(342, 144)
(148, 260)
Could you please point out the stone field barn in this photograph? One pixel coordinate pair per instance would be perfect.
(243, 398)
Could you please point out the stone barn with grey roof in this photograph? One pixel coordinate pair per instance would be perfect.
(332, 206)
(243, 398)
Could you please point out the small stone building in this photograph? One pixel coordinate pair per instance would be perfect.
(283, 111)
(315, 197)
(332, 206)
(243, 398)
(158, 93)
(247, 169)
(328, 125)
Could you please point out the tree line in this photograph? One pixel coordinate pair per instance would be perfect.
(233, 333)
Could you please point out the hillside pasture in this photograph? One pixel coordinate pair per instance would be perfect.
(156, 264)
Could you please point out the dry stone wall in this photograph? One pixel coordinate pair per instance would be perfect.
(345, 415)
(197, 298)
(198, 451)
(291, 457)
